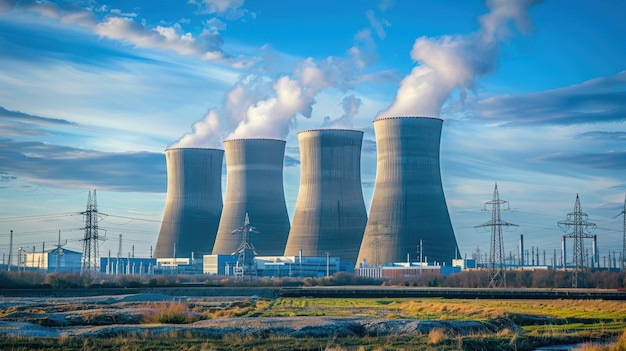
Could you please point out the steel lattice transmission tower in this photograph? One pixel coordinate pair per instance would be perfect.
(579, 221)
(623, 214)
(91, 242)
(245, 267)
(497, 277)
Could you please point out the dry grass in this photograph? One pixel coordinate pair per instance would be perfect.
(169, 313)
(455, 309)
(436, 336)
(619, 345)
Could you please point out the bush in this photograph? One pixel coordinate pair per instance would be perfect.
(169, 313)
(64, 280)
(19, 280)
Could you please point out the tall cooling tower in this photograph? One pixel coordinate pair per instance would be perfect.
(254, 185)
(194, 202)
(408, 204)
(330, 213)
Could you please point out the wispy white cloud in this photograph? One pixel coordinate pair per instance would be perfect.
(121, 26)
(364, 50)
(206, 45)
(124, 14)
(231, 9)
(386, 5)
(377, 25)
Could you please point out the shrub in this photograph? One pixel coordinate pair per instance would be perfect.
(169, 313)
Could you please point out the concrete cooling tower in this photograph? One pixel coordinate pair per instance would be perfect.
(194, 202)
(330, 213)
(254, 185)
(408, 203)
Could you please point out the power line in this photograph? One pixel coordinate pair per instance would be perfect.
(26, 218)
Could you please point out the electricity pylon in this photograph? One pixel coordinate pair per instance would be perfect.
(59, 251)
(245, 266)
(579, 221)
(623, 214)
(497, 277)
(91, 242)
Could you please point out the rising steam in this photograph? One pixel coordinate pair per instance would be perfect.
(351, 105)
(257, 107)
(454, 61)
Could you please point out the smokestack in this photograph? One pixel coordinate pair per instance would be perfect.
(193, 205)
(521, 249)
(330, 213)
(254, 185)
(408, 204)
(563, 252)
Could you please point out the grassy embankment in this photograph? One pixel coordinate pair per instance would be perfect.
(544, 322)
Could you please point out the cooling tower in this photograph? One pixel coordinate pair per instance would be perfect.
(408, 203)
(194, 202)
(330, 213)
(254, 185)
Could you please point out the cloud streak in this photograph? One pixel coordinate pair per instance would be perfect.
(19, 124)
(66, 167)
(122, 27)
(598, 100)
(614, 160)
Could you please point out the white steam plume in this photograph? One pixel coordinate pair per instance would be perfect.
(259, 108)
(351, 105)
(454, 61)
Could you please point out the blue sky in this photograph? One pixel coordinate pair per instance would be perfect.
(533, 95)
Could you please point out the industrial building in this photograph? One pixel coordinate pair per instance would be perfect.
(408, 214)
(56, 260)
(193, 205)
(277, 266)
(254, 186)
(127, 265)
(405, 270)
(330, 213)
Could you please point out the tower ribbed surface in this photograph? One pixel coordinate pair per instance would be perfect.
(193, 205)
(254, 185)
(330, 213)
(408, 203)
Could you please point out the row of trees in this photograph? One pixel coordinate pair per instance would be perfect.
(466, 279)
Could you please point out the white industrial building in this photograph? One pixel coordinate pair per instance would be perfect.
(277, 266)
(56, 260)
